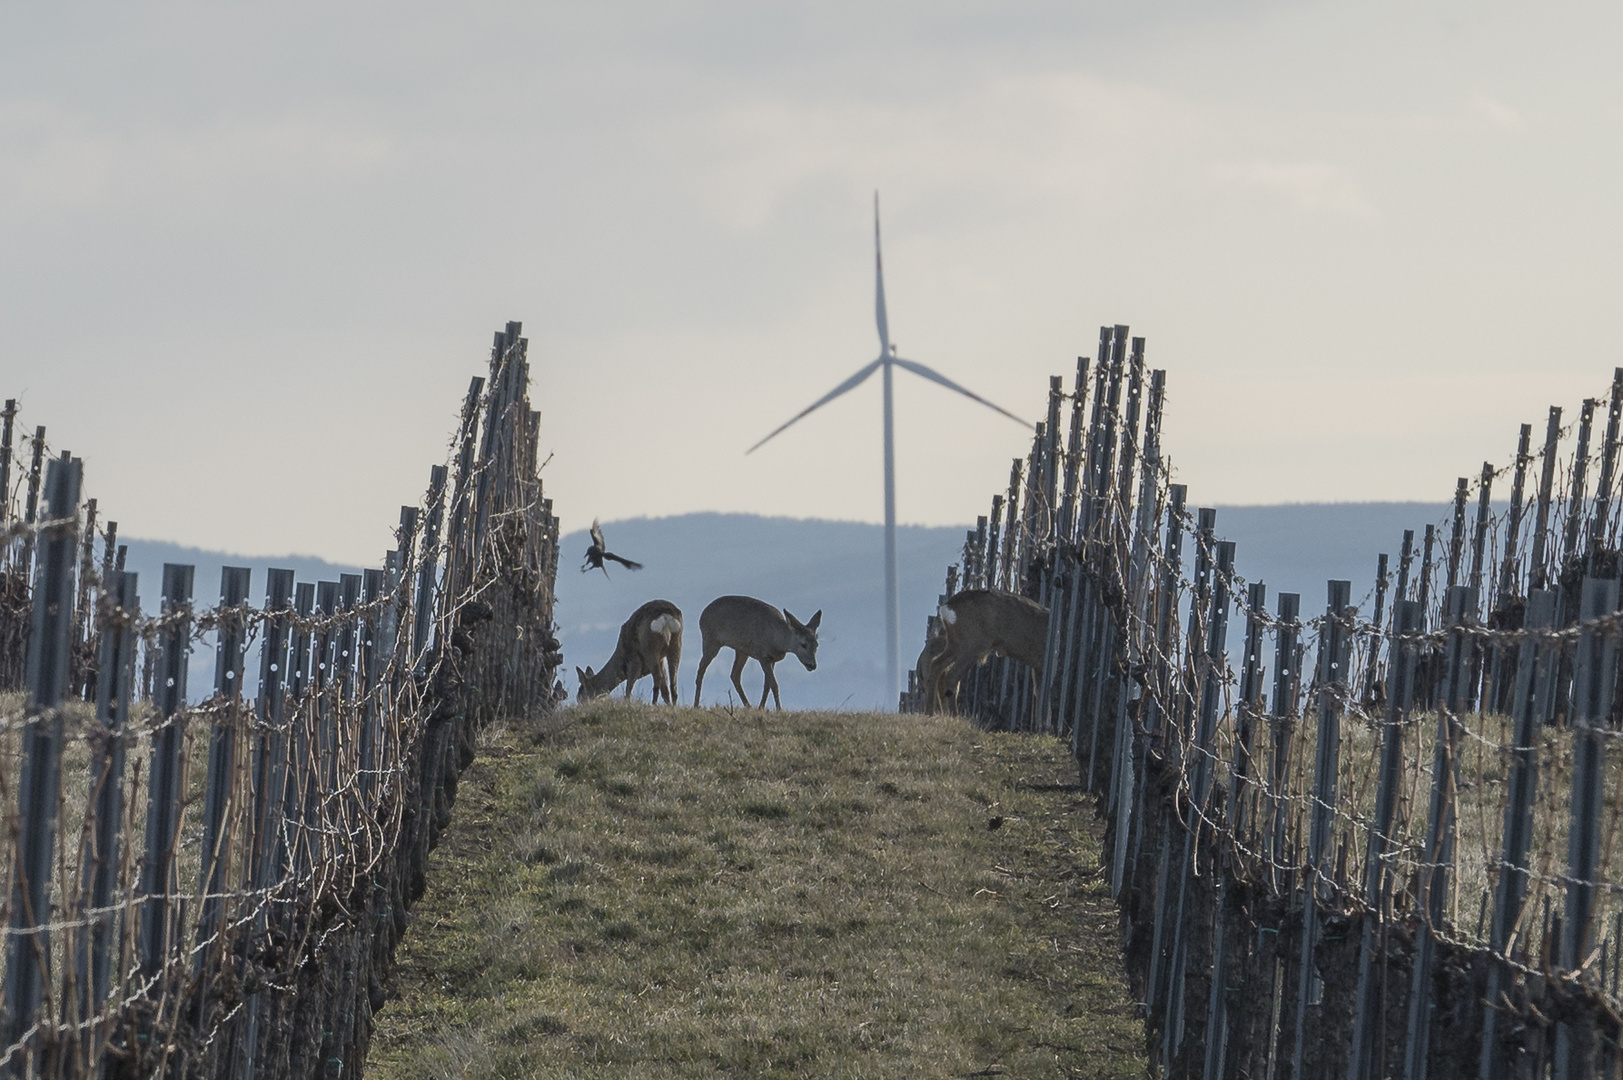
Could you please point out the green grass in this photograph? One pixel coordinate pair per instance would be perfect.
(656, 892)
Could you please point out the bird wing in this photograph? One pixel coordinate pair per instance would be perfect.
(850, 384)
(936, 377)
(597, 534)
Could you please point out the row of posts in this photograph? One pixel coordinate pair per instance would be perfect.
(1229, 878)
(323, 795)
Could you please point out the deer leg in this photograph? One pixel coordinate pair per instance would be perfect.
(931, 689)
(673, 660)
(770, 683)
(704, 662)
(659, 681)
(738, 675)
(662, 666)
(948, 674)
(927, 678)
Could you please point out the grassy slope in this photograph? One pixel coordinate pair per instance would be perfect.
(699, 893)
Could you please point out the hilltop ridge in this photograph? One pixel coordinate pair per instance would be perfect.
(807, 564)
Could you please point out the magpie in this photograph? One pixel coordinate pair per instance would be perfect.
(600, 551)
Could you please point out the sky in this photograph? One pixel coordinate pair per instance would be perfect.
(250, 254)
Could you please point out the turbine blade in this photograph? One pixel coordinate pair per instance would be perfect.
(850, 384)
(936, 377)
(879, 284)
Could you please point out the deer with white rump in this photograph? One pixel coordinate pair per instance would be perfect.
(974, 624)
(650, 644)
(754, 628)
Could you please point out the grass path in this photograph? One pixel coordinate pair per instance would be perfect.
(656, 892)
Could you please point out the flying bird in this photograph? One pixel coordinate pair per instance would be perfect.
(600, 551)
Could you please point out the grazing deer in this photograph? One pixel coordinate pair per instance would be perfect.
(650, 644)
(754, 628)
(974, 624)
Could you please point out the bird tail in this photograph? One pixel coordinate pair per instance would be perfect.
(627, 563)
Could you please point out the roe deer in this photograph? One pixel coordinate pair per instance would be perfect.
(976, 623)
(650, 644)
(752, 627)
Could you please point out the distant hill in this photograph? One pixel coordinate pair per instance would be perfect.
(836, 567)
(1300, 546)
(146, 557)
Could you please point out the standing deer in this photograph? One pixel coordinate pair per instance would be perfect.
(974, 624)
(650, 644)
(754, 628)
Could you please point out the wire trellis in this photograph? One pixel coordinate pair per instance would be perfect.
(216, 888)
(1403, 864)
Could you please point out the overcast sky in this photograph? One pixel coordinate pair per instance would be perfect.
(251, 254)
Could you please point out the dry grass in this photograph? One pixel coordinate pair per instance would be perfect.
(693, 893)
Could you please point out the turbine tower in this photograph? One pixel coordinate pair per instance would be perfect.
(887, 360)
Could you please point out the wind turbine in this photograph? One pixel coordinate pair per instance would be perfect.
(887, 360)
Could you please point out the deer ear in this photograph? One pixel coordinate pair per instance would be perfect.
(815, 619)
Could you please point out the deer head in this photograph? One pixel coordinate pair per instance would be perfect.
(592, 684)
(803, 638)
